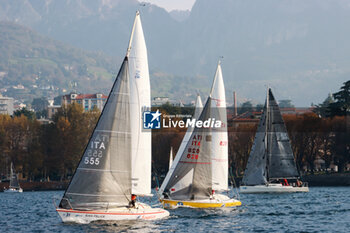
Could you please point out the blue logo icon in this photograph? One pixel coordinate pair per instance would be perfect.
(151, 120)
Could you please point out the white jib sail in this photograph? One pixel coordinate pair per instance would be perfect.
(140, 99)
(171, 157)
(219, 136)
(187, 179)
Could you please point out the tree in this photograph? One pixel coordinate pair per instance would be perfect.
(24, 111)
(245, 107)
(341, 142)
(259, 107)
(341, 104)
(39, 104)
(323, 109)
(285, 104)
(240, 143)
(40, 107)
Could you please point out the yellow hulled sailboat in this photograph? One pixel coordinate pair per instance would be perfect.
(198, 176)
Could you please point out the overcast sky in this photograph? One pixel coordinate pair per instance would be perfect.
(170, 5)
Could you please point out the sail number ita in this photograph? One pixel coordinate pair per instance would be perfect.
(192, 151)
(96, 150)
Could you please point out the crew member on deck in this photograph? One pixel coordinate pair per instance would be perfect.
(133, 201)
(212, 194)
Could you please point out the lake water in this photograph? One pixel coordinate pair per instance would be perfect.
(323, 209)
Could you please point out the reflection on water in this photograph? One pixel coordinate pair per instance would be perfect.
(322, 209)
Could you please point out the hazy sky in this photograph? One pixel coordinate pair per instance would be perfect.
(170, 5)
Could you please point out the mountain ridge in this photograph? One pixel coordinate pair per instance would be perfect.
(295, 47)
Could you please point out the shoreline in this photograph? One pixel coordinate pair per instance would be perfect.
(314, 180)
(38, 186)
(327, 180)
(321, 180)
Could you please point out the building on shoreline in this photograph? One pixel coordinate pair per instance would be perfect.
(6, 105)
(159, 101)
(88, 101)
(52, 109)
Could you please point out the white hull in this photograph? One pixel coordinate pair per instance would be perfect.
(272, 188)
(142, 212)
(12, 190)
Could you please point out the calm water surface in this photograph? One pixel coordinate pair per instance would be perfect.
(320, 210)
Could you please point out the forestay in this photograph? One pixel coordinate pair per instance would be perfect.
(140, 97)
(103, 176)
(194, 164)
(219, 149)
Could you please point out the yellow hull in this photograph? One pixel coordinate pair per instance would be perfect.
(199, 204)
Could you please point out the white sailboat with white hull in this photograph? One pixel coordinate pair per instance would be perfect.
(271, 166)
(200, 172)
(14, 184)
(116, 164)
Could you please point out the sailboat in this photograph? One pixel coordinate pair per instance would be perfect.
(116, 164)
(186, 180)
(14, 184)
(271, 166)
(199, 174)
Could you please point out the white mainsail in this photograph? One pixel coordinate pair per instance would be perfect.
(186, 180)
(219, 144)
(140, 96)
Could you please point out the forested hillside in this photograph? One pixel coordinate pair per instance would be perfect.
(46, 67)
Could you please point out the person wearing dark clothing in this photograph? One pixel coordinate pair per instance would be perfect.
(133, 201)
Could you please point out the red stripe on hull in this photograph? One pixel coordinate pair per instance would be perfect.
(89, 212)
